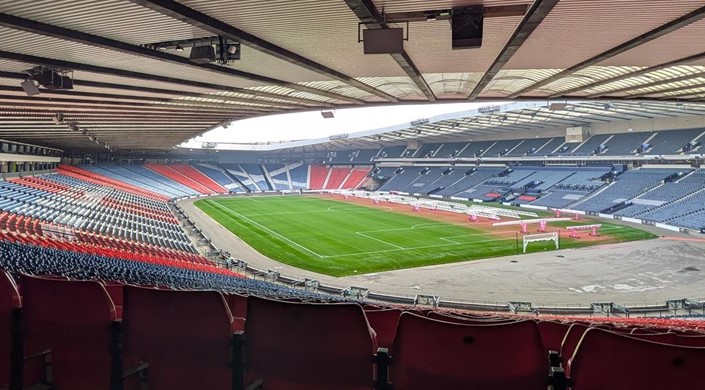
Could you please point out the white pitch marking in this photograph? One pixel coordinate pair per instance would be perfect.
(269, 230)
(379, 240)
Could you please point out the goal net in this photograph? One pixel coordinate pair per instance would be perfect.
(529, 238)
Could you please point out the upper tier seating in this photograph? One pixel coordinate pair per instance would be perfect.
(501, 148)
(476, 148)
(529, 146)
(588, 147)
(671, 142)
(624, 144)
(662, 195)
(427, 150)
(450, 149)
(392, 151)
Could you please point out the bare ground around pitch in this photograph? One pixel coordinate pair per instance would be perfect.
(651, 271)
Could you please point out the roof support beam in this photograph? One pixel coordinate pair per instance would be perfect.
(656, 84)
(149, 77)
(124, 87)
(368, 14)
(626, 46)
(35, 27)
(132, 100)
(188, 15)
(684, 60)
(534, 16)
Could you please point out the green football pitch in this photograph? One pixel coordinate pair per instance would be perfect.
(339, 238)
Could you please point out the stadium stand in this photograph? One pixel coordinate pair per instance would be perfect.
(392, 152)
(299, 176)
(501, 148)
(318, 176)
(106, 181)
(628, 185)
(217, 175)
(427, 150)
(402, 179)
(279, 176)
(448, 150)
(475, 149)
(237, 171)
(335, 178)
(149, 177)
(364, 156)
(624, 144)
(529, 146)
(141, 177)
(179, 177)
(192, 173)
(355, 178)
(672, 142)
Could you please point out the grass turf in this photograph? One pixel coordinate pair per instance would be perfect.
(339, 239)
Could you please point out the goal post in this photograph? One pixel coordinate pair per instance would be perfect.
(529, 238)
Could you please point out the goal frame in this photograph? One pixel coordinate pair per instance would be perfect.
(529, 238)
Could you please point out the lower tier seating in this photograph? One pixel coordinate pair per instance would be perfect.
(92, 334)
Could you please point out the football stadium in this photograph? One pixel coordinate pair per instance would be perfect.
(542, 227)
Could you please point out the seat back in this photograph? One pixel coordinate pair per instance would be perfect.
(75, 319)
(10, 305)
(185, 337)
(384, 322)
(432, 354)
(570, 341)
(297, 346)
(552, 334)
(606, 360)
(459, 319)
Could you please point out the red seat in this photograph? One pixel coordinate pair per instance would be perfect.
(431, 354)
(10, 308)
(606, 360)
(307, 346)
(552, 334)
(384, 322)
(76, 321)
(184, 336)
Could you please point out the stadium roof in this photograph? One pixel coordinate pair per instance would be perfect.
(129, 94)
(491, 120)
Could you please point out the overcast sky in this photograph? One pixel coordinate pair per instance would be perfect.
(307, 125)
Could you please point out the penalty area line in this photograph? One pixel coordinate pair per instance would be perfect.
(228, 211)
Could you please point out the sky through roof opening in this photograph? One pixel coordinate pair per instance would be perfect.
(311, 125)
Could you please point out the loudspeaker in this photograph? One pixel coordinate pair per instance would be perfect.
(383, 40)
(466, 24)
(202, 54)
(30, 88)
